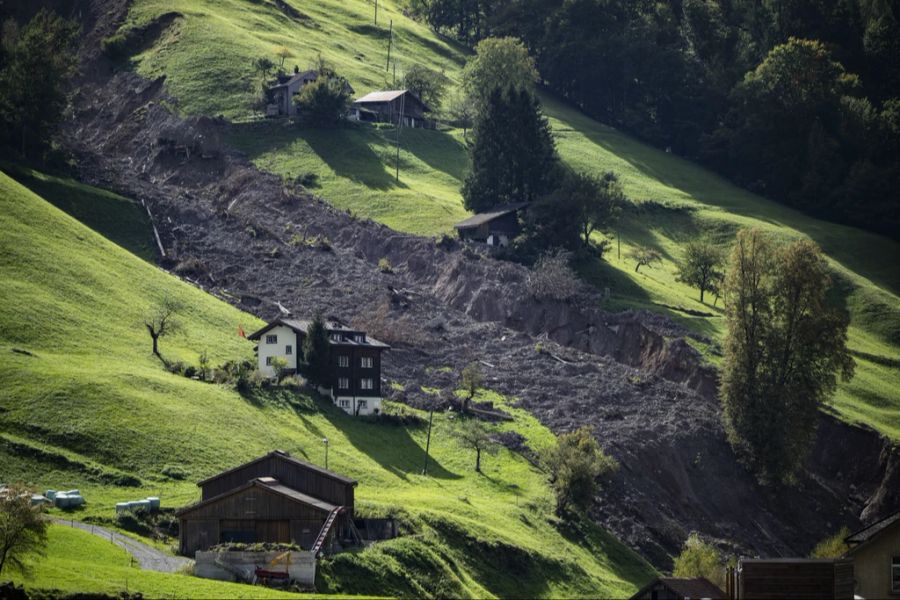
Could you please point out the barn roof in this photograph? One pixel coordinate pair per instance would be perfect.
(302, 325)
(282, 455)
(487, 217)
(698, 587)
(269, 484)
(388, 96)
(867, 533)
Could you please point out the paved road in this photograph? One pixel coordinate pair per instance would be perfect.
(147, 556)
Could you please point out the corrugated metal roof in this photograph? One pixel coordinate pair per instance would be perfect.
(486, 217)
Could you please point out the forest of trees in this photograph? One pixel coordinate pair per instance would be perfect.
(798, 100)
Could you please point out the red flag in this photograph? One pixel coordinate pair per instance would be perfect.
(241, 332)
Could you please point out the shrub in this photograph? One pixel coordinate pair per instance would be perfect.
(832, 547)
(191, 266)
(575, 464)
(552, 277)
(384, 265)
(307, 180)
(700, 559)
(325, 101)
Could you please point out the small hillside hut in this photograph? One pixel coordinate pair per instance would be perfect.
(494, 228)
(274, 498)
(282, 93)
(677, 588)
(392, 106)
(875, 551)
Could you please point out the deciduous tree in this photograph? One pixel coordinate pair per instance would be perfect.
(426, 84)
(474, 434)
(162, 320)
(785, 347)
(644, 257)
(701, 266)
(576, 464)
(23, 529)
(499, 64)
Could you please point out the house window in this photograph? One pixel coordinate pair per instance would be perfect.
(343, 360)
(895, 575)
(336, 337)
(271, 339)
(288, 350)
(359, 337)
(362, 404)
(344, 403)
(366, 362)
(269, 361)
(343, 383)
(366, 384)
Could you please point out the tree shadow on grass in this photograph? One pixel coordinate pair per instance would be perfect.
(391, 446)
(852, 247)
(437, 149)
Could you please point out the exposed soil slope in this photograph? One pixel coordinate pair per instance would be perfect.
(651, 402)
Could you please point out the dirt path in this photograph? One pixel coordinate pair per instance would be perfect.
(147, 556)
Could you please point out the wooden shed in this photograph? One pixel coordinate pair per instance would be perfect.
(274, 498)
(496, 227)
(787, 578)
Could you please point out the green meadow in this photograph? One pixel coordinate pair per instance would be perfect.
(84, 404)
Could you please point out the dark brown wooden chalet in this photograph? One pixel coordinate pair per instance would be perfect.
(496, 227)
(677, 588)
(283, 92)
(274, 498)
(355, 360)
(392, 106)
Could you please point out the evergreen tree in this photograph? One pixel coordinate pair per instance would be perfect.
(33, 78)
(513, 157)
(317, 352)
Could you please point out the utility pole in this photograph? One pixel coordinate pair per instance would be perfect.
(394, 80)
(387, 66)
(376, 12)
(428, 440)
(325, 441)
(399, 126)
(619, 245)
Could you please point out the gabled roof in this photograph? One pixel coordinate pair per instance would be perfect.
(698, 587)
(269, 484)
(487, 217)
(866, 534)
(388, 96)
(282, 455)
(311, 74)
(302, 325)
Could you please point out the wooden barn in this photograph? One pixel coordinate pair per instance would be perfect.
(274, 498)
(679, 588)
(392, 106)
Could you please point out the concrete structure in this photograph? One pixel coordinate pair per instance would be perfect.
(300, 567)
(875, 551)
(355, 372)
(494, 228)
(275, 498)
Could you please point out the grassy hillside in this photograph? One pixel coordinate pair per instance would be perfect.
(674, 199)
(78, 561)
(83, 403)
